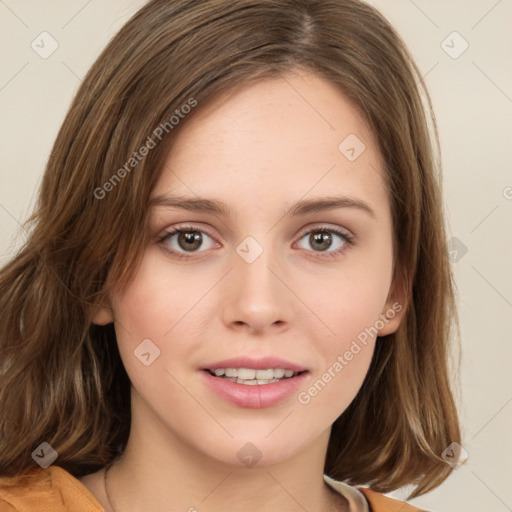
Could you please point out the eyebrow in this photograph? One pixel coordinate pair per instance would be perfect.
(300, 208)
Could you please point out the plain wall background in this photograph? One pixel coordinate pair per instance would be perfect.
(472, 98)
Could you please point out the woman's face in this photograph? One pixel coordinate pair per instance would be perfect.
(284, 262)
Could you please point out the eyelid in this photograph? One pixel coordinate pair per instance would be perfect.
(301, 233)
(184, 227)
(326, 227)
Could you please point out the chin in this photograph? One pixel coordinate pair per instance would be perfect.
(254, 452)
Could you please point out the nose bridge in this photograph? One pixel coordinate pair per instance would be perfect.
(255, 294)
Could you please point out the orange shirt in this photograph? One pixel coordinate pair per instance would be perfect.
(55, 490)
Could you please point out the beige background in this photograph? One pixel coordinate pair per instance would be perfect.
(472, 96)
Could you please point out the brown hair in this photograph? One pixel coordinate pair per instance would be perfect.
(61, 377)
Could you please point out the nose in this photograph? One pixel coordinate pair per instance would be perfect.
(256, 300)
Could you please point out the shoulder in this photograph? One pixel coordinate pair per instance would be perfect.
(364, 499)
(380, 503)
(46, 490)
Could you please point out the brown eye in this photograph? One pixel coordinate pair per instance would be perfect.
(189, 240)
(321, 240)
(185, 240)
(329, 241)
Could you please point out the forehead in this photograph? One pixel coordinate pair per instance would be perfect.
(275, 138)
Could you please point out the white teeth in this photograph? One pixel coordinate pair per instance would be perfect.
(250, 376)
(265, 374)
(248, 382)
(255, 381)
(247, 373)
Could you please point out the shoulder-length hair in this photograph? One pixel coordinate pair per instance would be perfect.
(61, 377)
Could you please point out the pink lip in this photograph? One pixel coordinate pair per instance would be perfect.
(259, 395)
(261, 363)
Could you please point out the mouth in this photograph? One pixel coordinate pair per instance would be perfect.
(253, 376)
(254, 383)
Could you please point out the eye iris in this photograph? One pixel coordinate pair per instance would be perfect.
(190, 240)
(320, 240)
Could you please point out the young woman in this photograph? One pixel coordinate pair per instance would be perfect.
(235, 294)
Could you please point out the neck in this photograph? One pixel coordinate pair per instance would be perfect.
(160, 472)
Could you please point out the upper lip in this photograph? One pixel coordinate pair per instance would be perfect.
(256, 363)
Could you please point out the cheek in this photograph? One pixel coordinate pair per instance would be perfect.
(332, 390)
(157, 297)
(153, 307)
(347, 304)
(345, 347)
(351, 296)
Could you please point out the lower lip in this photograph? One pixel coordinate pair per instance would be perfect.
(257, 396)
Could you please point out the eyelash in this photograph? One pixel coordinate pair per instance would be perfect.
(347, 238)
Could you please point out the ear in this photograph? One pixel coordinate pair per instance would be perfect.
(395, 307)
(104, 314)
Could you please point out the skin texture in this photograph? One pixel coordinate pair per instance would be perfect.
(260, 150)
